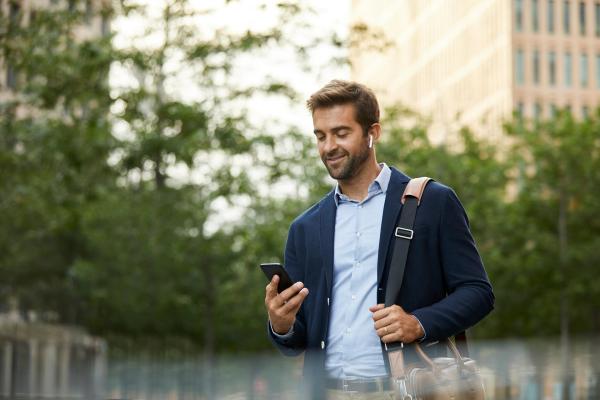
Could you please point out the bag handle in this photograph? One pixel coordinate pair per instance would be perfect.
(459, 359)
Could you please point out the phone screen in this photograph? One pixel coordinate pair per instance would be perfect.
(271, 269)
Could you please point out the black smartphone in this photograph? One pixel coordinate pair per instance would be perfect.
(271, 269)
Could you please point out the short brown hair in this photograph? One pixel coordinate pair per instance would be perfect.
(338, 92)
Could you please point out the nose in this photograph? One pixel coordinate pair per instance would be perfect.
(329, 144)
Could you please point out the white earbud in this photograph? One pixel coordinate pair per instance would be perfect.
(370, 141)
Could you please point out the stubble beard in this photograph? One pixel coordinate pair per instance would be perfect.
(352, 165)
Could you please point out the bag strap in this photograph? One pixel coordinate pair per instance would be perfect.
(411, 199)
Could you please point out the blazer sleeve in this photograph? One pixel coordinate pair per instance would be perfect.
(470, 296)
(295, 343)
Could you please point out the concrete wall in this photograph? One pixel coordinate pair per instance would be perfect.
(50, 361)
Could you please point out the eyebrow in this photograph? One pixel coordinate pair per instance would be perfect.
(334, 129)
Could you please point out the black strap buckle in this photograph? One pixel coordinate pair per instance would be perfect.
(404, 233)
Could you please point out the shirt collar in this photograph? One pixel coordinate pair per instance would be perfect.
(380, 183)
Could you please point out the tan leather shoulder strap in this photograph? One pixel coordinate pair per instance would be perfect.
(415, 188)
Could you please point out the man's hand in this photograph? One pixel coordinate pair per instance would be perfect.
(393, 324)
(283, 307)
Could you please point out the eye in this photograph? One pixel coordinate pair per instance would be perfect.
(320, 138)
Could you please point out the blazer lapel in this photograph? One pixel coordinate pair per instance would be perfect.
(327, 229)
(391, 210)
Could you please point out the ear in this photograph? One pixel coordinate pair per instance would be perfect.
(375, 132)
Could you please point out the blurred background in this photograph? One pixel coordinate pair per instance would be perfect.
(153, 153)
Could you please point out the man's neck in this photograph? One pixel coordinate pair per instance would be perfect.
(357, 187)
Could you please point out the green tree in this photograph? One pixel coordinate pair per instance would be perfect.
(557, 204)
(556, 199)
(54, 142)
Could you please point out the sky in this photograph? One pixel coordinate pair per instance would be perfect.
(329, 16)
(275, 113)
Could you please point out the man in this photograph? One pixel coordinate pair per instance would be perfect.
(339, 252)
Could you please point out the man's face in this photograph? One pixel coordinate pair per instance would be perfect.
(342, 145)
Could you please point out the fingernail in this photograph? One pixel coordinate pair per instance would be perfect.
(299, 285)
(304, 291)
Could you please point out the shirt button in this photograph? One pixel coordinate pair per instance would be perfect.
(353, 297)
(357, 264)
(360, 206)
(348, 330)
(357, 234)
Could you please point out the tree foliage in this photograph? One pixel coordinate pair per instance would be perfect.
(552, 253)
(516, 195)
(140, 212)
(119, 200)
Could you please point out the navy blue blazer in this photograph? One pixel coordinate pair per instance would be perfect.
(445, 285)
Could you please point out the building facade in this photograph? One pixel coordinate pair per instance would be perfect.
(474, 62)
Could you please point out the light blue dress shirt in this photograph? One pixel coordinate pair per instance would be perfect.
(354, 349)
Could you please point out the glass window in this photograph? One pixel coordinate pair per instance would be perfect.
(521, 109)
(568, 69)
(105, 25)
(552, 67)
(535, 15)
(536, 67)
(597, 13)
(553, 110)
(14, 12)
(582, 17)
(583, 70)
(598, 71)
(519, 15)
(89, 11)
(568, 108)
(550, 16)
(33, 16)
(566, 17)
(537, 111)
(11, 76)
(520, 67)
(585, 111)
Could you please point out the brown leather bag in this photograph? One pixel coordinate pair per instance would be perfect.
(445, 378)
(440, 378)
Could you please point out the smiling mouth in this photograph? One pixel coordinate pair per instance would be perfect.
(336, 159)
